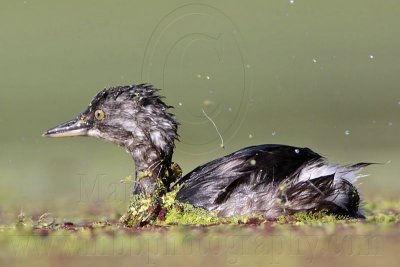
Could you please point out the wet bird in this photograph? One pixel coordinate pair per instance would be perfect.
(268, 179)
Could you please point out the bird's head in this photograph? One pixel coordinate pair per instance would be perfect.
(134, 117)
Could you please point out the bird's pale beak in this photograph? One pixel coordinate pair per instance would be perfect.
(75, 127)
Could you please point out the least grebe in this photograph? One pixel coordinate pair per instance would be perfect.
(268, 179)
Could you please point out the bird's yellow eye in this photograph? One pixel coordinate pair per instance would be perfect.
(99, 115)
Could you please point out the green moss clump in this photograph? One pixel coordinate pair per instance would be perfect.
(383, 211)
(177, 212)
(142, 210)
(312, 218)
(167, 210)
(186, 214)
(384, 218)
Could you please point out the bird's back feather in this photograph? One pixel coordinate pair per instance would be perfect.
(272, 180)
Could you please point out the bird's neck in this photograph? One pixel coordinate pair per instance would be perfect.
(151, 142)
(150, 169)
(152, 164)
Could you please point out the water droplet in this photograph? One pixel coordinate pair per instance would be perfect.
(291, 1)
(180, 103)
(207, 77)
(314, 60)
(250, 136)
(199, 76)
(253, 162)
(347, 132)
(390, 123)
(297, 151)
(248, 66)
(274, 133)
(398, 103)
(230, 109)
(371, 56)
(208, 103)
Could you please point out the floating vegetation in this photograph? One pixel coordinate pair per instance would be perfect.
(164, 209)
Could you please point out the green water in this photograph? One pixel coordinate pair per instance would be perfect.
(321, 74)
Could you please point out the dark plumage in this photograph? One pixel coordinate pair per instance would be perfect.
(268, 179)
(272, 180)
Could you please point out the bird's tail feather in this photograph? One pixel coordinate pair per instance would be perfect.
(333, 193)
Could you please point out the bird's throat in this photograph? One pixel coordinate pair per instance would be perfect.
(152, 168)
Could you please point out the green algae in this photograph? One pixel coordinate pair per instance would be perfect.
(165, 209)
(144, 208)
(186, 214)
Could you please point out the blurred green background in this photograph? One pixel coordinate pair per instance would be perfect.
(321, 74)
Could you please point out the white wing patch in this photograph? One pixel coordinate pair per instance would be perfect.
(316, 170)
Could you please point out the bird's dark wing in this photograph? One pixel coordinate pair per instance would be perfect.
(213, 182)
